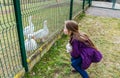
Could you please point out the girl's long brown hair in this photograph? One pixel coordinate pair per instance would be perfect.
(72, 27)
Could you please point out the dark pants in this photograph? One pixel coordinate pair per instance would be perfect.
(76, 63)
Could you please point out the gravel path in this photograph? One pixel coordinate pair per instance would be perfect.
(103, 12)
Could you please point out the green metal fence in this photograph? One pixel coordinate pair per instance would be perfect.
(10, 56)
(43, 17)
(54, 11)
(116, 4)
(77, 7)
(109, 4)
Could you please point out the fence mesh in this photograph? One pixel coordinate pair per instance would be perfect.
(117, 4)
(34, 14)
(10, 57)
(41, 19)
(77, 6)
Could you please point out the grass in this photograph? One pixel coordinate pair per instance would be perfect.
(105, 34)
(55, 62)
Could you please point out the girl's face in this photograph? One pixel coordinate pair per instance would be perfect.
(66, 32)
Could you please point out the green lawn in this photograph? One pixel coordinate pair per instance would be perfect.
(105, 33)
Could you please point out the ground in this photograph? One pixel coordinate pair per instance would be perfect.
(103, 12)
(104, 32)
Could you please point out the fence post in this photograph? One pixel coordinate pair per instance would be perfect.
(83, 7)
(90, 3)
(113, 6)
(71, 9)
(20, 33)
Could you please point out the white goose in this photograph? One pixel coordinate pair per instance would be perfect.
(30, 44)
(29, 29)
(42, 33)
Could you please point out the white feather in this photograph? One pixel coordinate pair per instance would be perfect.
(42, 32)
(30, 44)
(29, 29)
(68, 48)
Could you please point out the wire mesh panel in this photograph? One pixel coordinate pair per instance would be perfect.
(118, 1)
(77, 6)
(104, 4)
(117, 4)
(86, 3)
(111, 4)
(10, 57)
(41, 20)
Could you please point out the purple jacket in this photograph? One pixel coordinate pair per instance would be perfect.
(88, 54)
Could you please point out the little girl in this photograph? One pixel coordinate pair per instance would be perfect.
(83, 51)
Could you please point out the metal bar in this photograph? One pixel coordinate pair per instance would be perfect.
(90, 3)
(20, 33)
(83, 7)
(71, 9)
(114, 2)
